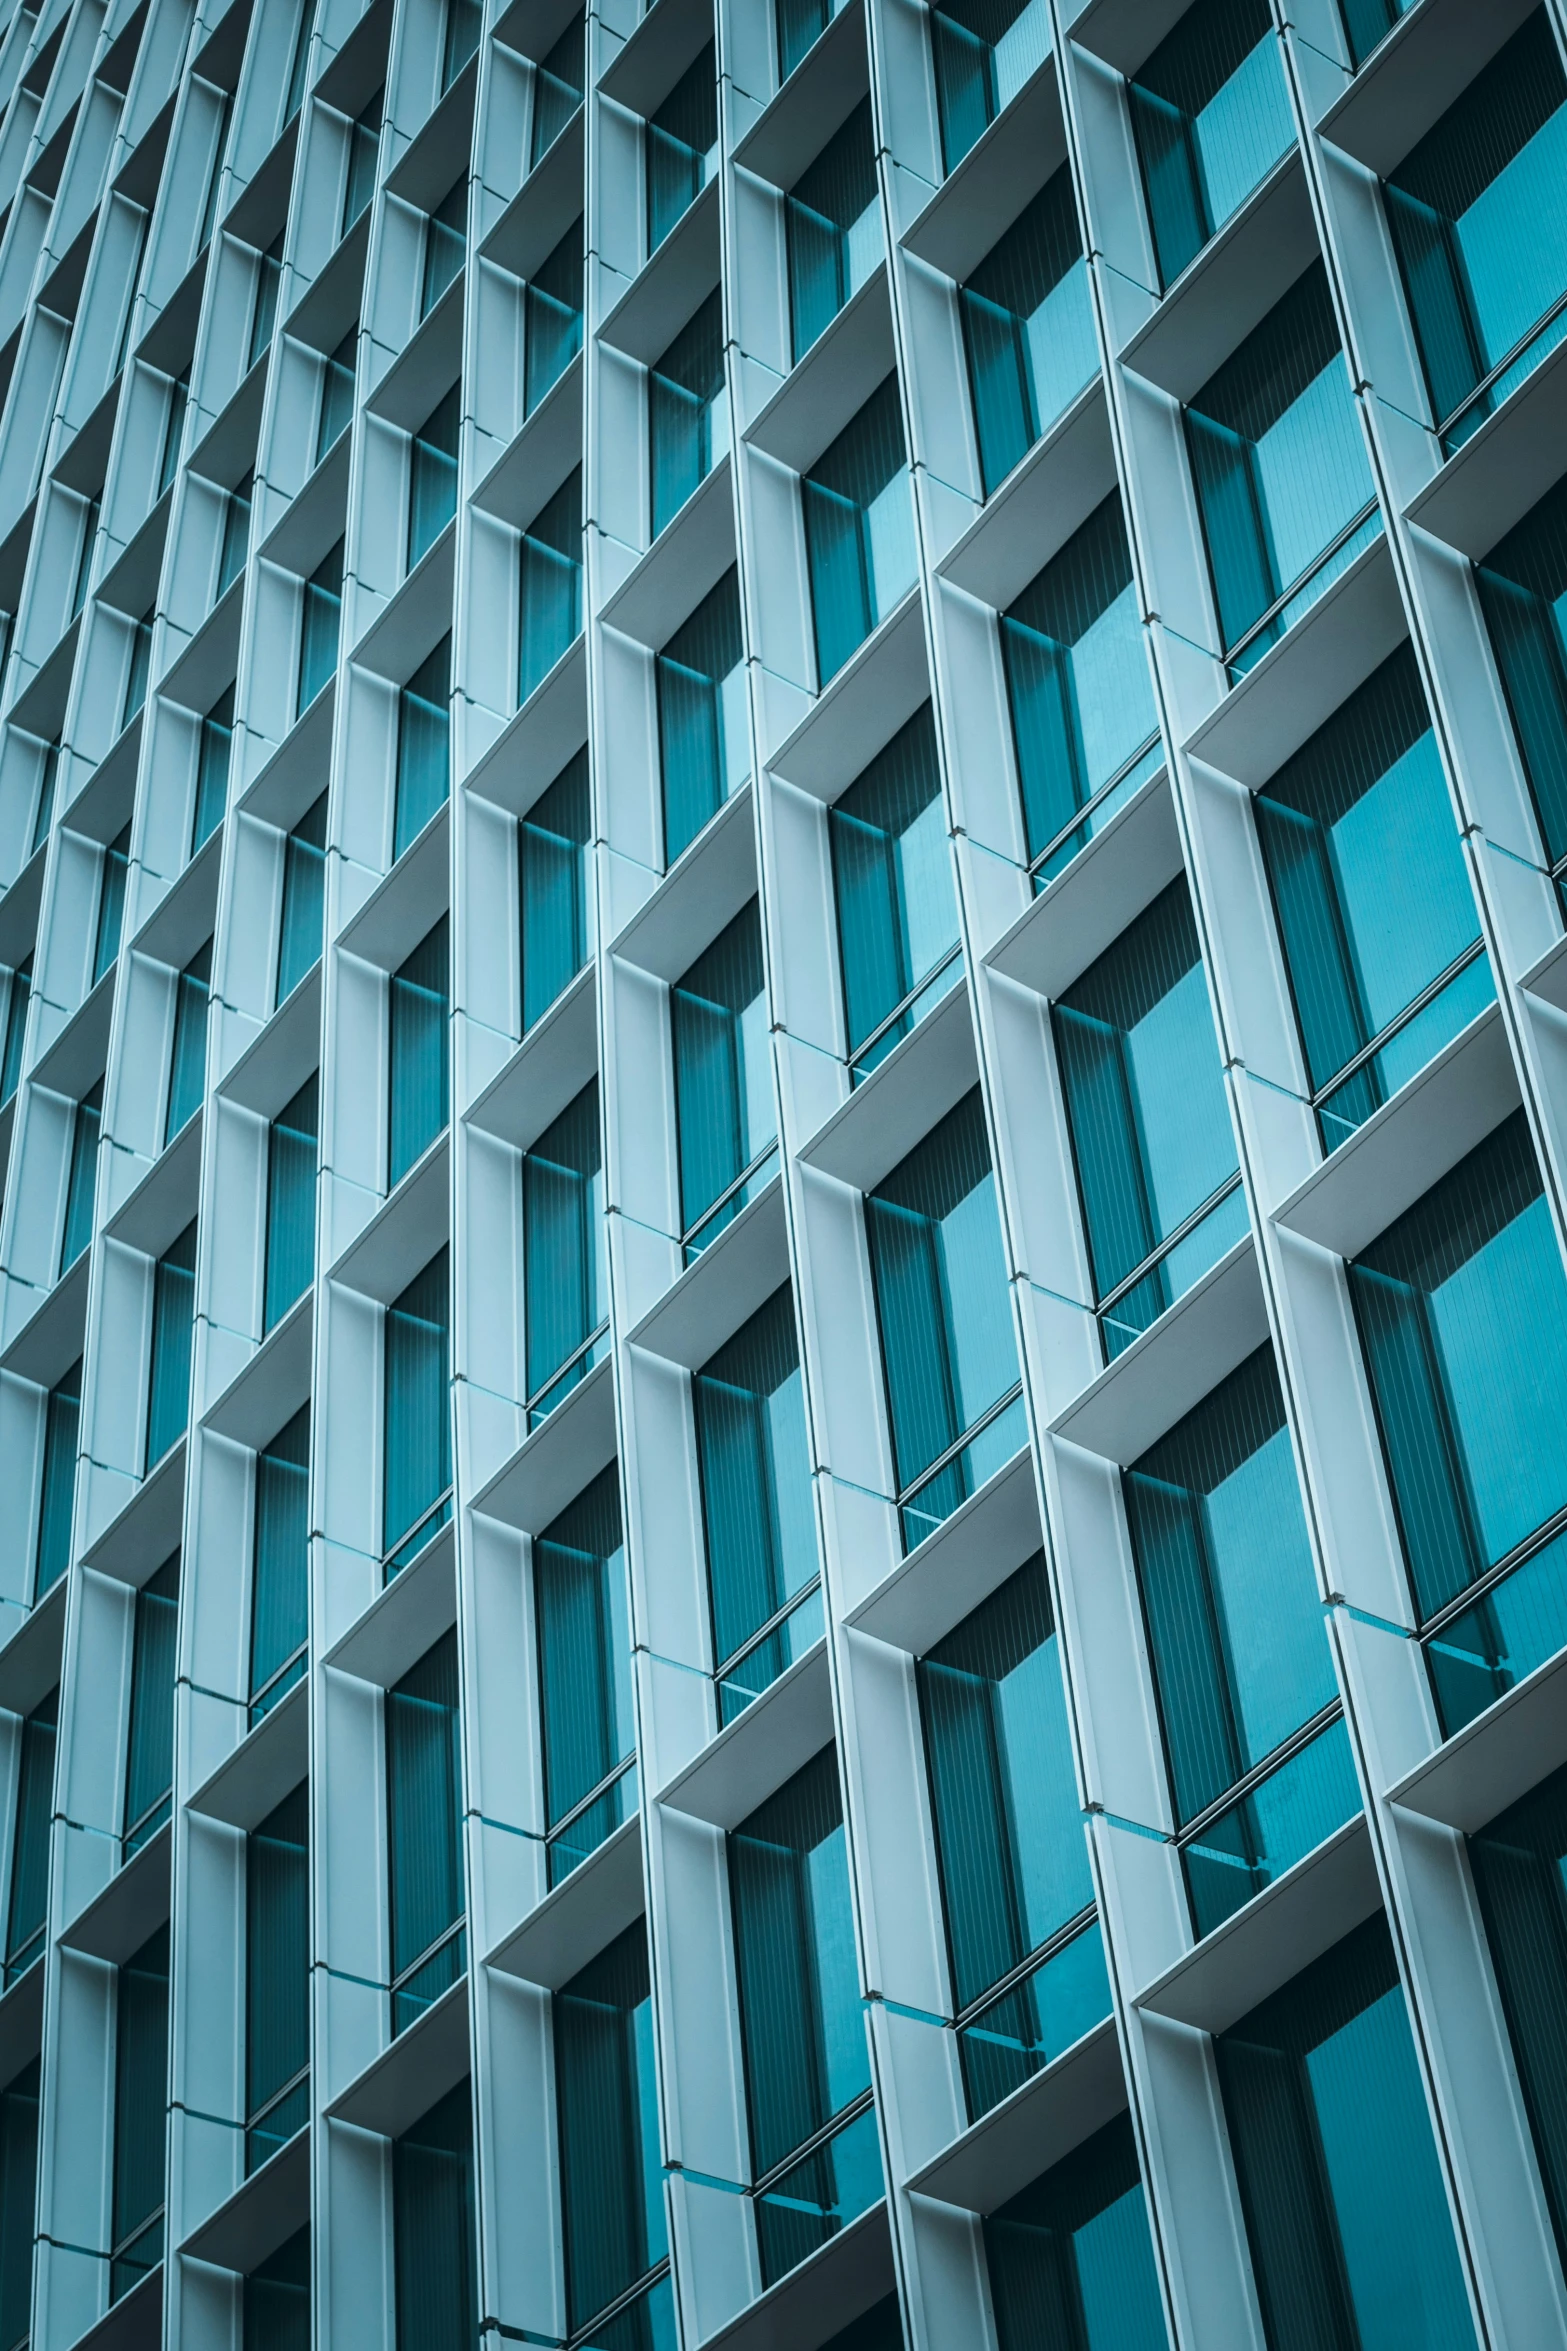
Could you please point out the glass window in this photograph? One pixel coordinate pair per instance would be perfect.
(292, 1138)
(1462, 1308)
(18, 2201)
(424, 727)
(149, 1746)
(1157, 1170)
(725, 1110)
(417, 1466)
(48, 786)
(418, 1005)
(364, 149)
(1351, 2240)
(304, 899)
(424, 1811)
(435, 2240)
(552, 330)
(585, 1701)
(859, 529)
(682, 146)
(984, 51)
(173, 1311)
(82, 1181)
(277, 2299)
(704, 733)
(800, 24)
(1479, 224)
(565, 1253)
(557, 92)
(1028, 328)
(1076, 2243)
(174, 422)
(892, 882)
(141, 2066)
(552, 887)
(263, 314)
(236, 533)
(550, 586)
(338, 371)
(280, 1566)
(321, 618)
(687, 411)
(432, 474)
(949, 1358)
(1280, 467)
(1240, 1656)
(606, 2100)
(188, 1057)
(15, 1027)
(1523, 594)
(277, 1978)
(445, 245)
(1211, 116)
(111, 903)
(1367, 22)
(806, 2056)
(213, 752)
(464, 24)
(57, 1497)
(27, 1910)
(832, 223)
(759, 1523)
(293, 97)
(91, 509)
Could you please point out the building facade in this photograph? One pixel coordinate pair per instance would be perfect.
(783, 1096)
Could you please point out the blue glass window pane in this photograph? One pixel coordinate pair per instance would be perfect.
(1028, 328)
(682, 146)
(236, 534)
(291, 1202)
(17, 1001)
(832, 223)
(800, 24)
(417, 1445)
(704, 734)
(566, 1274)
(141, 2064)
(606, 2097)
(435, 2237)
(213, 755)
(584, 1632)
(364, 149)
(337, 392)
(277, 1972)
(687, 411)
(27, 1908)
(304, 899)
(173, 1311)
(18, 2200)
(1211, 116)
(1282, 1817)
(424, 1800)
(48, 786)
(552, 880)
(82, 1181)
(550, 596)
(277, 2298)
(557, 92)
(263, 315)
(1071, 2259)
(1523, 593)
(432, 474)
(552, 334)
(149, 1745)
(984, 51)
(1486, 1649)
(1368, 22)
(803, 2207)
(423, 746)
(892, 878)
(1017, 2035)
(418, 1077)
(111, 904)
(57, 1499)
(445, 245)
(188, 1060)
(859, 529)
(755, 1470)
(320, 621)
(724, 1105)
(280, 1564)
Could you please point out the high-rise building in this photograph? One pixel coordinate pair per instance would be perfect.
(783, 1106)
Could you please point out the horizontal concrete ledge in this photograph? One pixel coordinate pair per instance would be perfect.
(736, 1273)
(402, 1621)
(134, 2323)
(1118, 872)
(1518, 454)
(580, 1917)
(268, 1763)
(703, 890)
(1495, 1759)
(778, 1733)
(403, 1234)
(967, 1558)
(684, 564)
(1168, 1370)
(1045, 498)
(924, 1076)
(817, 100)
(30, 1660)
(132, 1906)
(1005, 168)
(273, 1384)
(145, 1529)
(556, 1460)
(260, 2215)
(1044, 2119)
(281, 1055)
(555, 1060)
(419, 2067)
(841, 2281)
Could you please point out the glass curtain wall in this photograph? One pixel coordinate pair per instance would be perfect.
(173, 1312)
(417, 1434)
(552, 317)
(81, 1183)
(432, 474)
(549, 609)
(565, 1254)
(235, 544)
(1347, 2217)
(1157, 1171)
(48, 786)
(27, 1907)
(892, 884)
(445, 245)
(1462, 1310)
(1259, 1760)
(213, 754)
(321, 618)
(141, 2066)
(17, 1000)
(687, 411)
(280, 1566)
(424, 1817)
(1211, 116)
(759, 1524)
(807, 2063)
(859, 529)
(423, 746)
(18, 2200)
(611, 2174)
(304, 899)
(111, 903)
(725, 1114)
(338, 371)
(464, 24)
(799, 25)
(949, 1358)
(277, 2298)
(552, 887)
(137, 669)
(585, 1701)
(557, 92)
(62, 1414)
(292, 1140)
(263, 309)
(85, 547)
(149, 1745)
(418, 1051)
(1010, 1842)
(704, 735)
(188, 1059)
(1523, 594)
(1368, 22)
(277, 1978)
(984, 51)
(435, 2238)
(1028, 329)
(682, 146)
(1071, 2258)
(364, 149)
(832, 228)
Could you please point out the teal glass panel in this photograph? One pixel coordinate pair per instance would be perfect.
(321, 617)
(304, 899)
(859, 529)
(704, 735)
(18, 2201)
(1010, 1842)
(549, 616)
(997, 1438)
(445, 245)
(1478, 215)
(292, 1140)
(1523, 594)
(892, 881)
(432, 474)
(337, 392)
(1368, 22)
(755, 1471)
(833, 230)
(435, 2238)
(1240, 1655)
(188, 1060)
(565, 1249)
(280, 1565)
(552, 887)
(802, 2208)
(364, 149)
(934, 1231)
(173, 1312)
(1277, 1822)
(557, 92)
(82, 1181)
(57, 1499)
(417, 1465)
(236, 534)
(15, 1027)
(1028, 328)
(48, 787)
(263, 314)
(86, 546)
(174, 422)
(1078, 684)
(584, 1637)
(1459, 997)
(783, 1643)
(111, 904)
(277, 1976)
(725, 1111)
(682, 146)
(1277, 456)
(1211, 116)
(1351, 2241)
(586, 1829)
(293, 96)
(1477, 1654)
(149, 1746)
(687, 411)
(424, 1812)
(141, 2065)
(464, 25)
(277, 2299)
(1009, 2040)
(806, 2056)
(424, 726)
(552, 328)
(645, 2324)
(418, 1052)
(212, 770)
(27, 1909)
(799, 24)
(984, 51)
(1462, 1308)
(1071, 2259)
(606, 2100)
